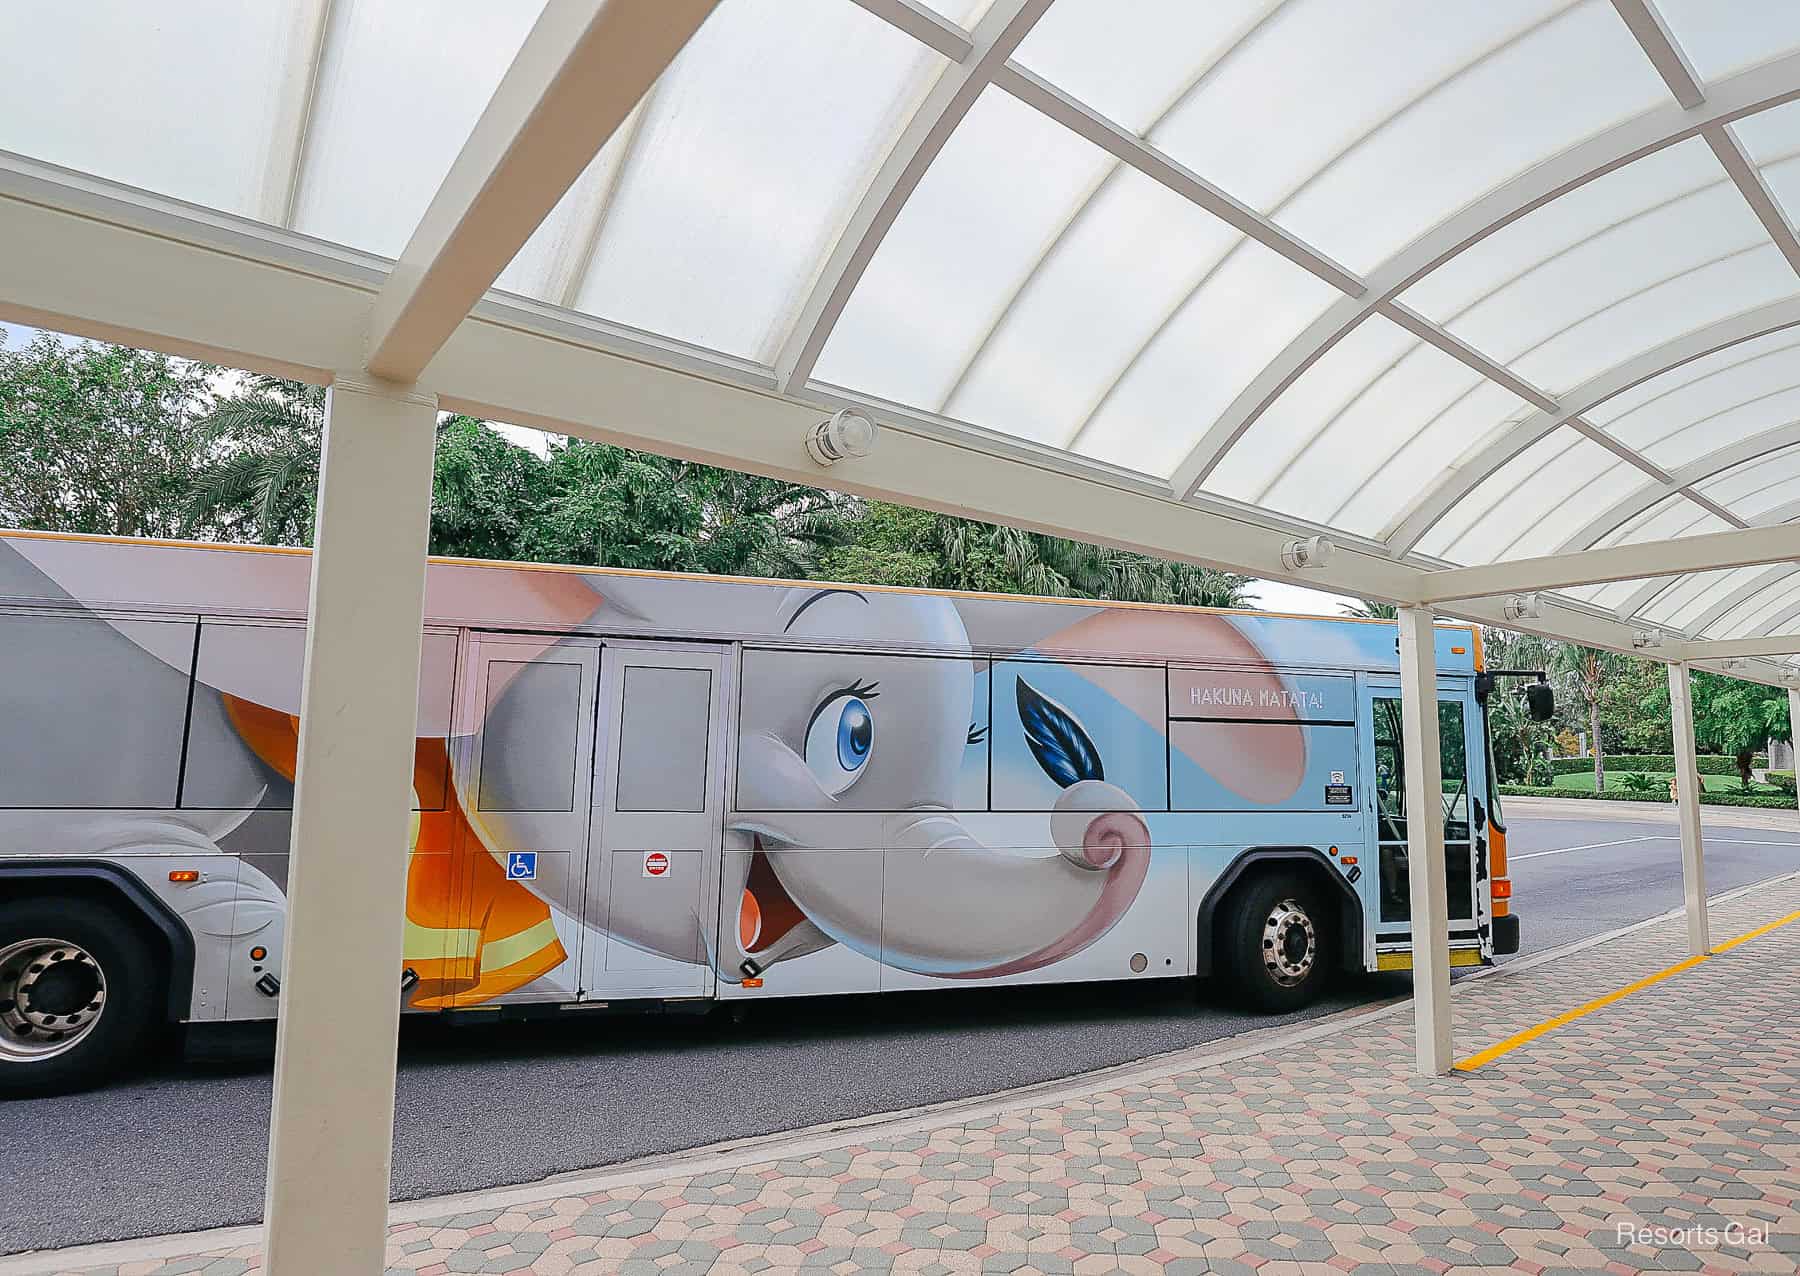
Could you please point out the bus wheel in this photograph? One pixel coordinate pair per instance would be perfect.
(1275, 950)
(76, 989)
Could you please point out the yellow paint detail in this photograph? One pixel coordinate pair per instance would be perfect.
(498, 954)
(422, 943)
(1493, 1052)
(1403, 961)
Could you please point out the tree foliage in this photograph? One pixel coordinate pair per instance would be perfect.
(96, 438)
(260, 476)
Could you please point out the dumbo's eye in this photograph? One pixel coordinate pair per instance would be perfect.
(841, 737)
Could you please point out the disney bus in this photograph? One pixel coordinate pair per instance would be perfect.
(636, 789)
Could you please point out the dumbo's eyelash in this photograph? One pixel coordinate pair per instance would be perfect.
(861, 690)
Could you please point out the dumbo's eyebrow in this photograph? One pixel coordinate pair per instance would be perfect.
(823, 593)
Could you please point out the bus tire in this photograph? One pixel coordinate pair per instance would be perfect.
(78, 988)
(1278, 941)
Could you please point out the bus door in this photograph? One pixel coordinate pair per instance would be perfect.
(658, 802)
(1388, 901)
(526, 737)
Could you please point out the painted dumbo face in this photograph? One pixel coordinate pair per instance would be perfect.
(846, 793)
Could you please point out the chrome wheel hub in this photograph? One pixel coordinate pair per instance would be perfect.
(1290, 943)
(52, 994)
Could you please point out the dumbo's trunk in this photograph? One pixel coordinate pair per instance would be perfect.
(952, 907)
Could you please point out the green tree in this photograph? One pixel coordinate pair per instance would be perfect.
(1367, 610)
(1586, 672)
(886, 545)
(611, 506)
(1738, 718)
(97, 438)
(892, 544)
(1634, 708)
(485, 489)
(1520, 744)
(260, 477)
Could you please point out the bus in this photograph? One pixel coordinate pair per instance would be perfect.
(639, 790)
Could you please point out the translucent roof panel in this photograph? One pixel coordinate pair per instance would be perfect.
(1208, 351)
(1667, 307)
(1519, 510)
(1674, 517)
(1711, 403)
(965, 13)
(1703, 613)
(1362, 431)
(116, 88)
(1005, 185)
(1443, 539)
(1135, 71)
(1772, 140)
(400, 84)
(700, 239)
(1087, 309)
(1394, 114)
(1765, 612)
(1622, 263)
(1686, 599)
(1757, 489)
(1721, 38)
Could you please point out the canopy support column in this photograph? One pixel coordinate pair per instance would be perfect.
(1425, 865)
(1794, 735)
(331, 1130)
(1687, 808)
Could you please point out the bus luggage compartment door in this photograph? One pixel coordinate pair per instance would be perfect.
(658, 802)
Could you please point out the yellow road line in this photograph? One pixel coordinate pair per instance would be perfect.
(1518, 1039)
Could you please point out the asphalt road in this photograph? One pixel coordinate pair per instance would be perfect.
(1575, 878)
(183, 1147)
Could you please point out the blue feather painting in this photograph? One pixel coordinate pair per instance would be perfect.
(1059, 743)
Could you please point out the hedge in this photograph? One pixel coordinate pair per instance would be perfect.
(1658, 794)
(1709, 764)
(1782, 780)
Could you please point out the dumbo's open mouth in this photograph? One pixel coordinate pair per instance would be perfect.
(767, 911)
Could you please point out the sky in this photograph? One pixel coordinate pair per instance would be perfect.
(1266, 595)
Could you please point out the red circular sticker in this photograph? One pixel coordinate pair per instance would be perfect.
(656, 864)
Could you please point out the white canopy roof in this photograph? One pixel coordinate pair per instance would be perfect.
(1456, 283)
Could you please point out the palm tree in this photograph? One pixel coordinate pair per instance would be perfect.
(261, 477)
(1586, 670)
(1366, 610)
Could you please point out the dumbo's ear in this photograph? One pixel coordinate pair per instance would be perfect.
(1058, 741)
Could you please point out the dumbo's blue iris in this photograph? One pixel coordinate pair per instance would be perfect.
(855, 734)
(840, 737)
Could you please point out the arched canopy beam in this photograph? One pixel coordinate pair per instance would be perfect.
(1743, 547)
(583, 67)
(1768, 85)
(999, 32)
(1681, 479)
(1784, 644)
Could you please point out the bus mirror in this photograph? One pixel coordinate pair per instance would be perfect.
(1540, 701)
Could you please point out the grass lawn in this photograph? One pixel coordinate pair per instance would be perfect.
(1584, 780)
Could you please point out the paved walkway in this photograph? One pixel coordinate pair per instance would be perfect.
(1677, 1107)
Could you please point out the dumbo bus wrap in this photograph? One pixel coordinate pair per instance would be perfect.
(636, 789)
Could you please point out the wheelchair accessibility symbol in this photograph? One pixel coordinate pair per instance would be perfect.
(521, 866)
